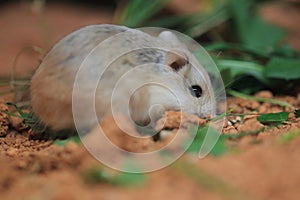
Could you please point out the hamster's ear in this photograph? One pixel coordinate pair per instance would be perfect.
(177, 62)
(170, 38)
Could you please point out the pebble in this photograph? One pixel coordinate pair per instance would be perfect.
(264, 94)
(11, 152)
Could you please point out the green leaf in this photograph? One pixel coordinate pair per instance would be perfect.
(195, 24)
(237, 67)
(138, 11)
(297, 113)
(273, 118)
(224, 46)
(74, 139)
(252, 30)
(96, 175)
(284, 68)
(219, 148)
(287, 137)
(129, 179)
(200, 24)
(169, 21)
(228, 112)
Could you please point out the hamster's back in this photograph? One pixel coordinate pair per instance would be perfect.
(52, 83)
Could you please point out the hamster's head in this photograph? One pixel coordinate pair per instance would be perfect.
(180, 83)
(183, 87)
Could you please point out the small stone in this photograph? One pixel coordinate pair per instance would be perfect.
(264, 94)
(22, 164)
(233, 120)
(4, 120)
(238, 119)
(230, 130)
(70, 147)
(17, 123)
(229, 123)
(202, 121)
(291, 116)
(27, 144)
(11, 152)
(3, 131)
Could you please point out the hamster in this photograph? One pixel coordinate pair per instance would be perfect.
(148, 59)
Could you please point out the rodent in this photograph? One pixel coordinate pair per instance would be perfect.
(52, 84)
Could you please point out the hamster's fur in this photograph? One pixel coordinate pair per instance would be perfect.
(161, 59)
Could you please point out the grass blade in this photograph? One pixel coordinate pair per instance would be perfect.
(260, 99)
(138, 11)
(208, 22)
(283, 68)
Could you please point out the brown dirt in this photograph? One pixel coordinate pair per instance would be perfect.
(257, 167)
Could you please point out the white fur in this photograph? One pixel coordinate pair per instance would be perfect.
(52, 84)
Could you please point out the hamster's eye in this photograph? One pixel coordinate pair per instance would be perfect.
(196, 91)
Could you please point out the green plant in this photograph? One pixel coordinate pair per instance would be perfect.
(208, 180)
(137, 12)
(273, 118)
(287, 137)
(257, 59)
(218, 149)
(29, 119)
(251, 54)
(75, 139)
(97, 175)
